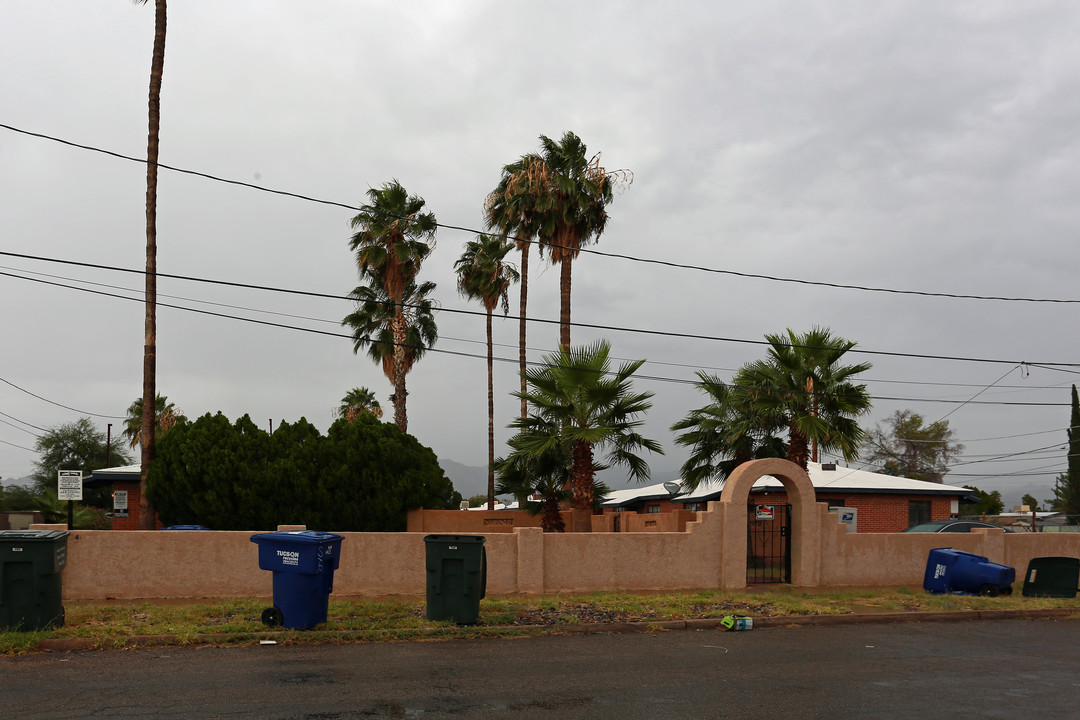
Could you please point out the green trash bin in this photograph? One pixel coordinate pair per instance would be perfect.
(1054, 577)
(456, 577)
(30, 586)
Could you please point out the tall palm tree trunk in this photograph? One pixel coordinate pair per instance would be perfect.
(551, 518)
(147, 517)
(521, 325)
(491, 417)
(398, 398)
(582, 472)
(564, 298)
(798, 447)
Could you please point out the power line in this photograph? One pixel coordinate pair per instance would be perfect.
(66, 407)
(620, 256)
(11, 424)
(472, 341)
(683, 381)
(21, 447)
(12, 417)
(548, 321)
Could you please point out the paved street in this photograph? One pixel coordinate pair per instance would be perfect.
(990, 669)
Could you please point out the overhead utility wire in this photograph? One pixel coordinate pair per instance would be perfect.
(12, 417)
(482, 342)
(21, 447)
(1007, 372)
(548, 321)
(28, 432)
(631, 258)
(51, 402)
(682, 381)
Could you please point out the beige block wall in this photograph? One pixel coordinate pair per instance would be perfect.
(129, 565)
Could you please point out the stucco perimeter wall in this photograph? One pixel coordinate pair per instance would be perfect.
(634, 561)
(131, 565)
(891, 559)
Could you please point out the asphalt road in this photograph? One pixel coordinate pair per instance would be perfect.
(988, 669)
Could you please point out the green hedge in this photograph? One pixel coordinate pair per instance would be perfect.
(362, 476)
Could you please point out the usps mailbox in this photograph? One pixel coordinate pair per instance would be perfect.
(848, 516)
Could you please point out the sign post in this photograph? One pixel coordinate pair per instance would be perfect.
(69, 487)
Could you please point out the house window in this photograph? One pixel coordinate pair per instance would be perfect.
(835, 503)
(654, 508)
(918, 512)
(695, 507)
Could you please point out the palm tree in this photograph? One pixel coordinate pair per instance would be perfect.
(577, 192)
(484, 275)
(393, 237)
(726, 432)
(802, 381)
(356, 401)
(165, 417)
(147, 519)
(576, 400)
(545, 474)
(373, 328)
(512, 208)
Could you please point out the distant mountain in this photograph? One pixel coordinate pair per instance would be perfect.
(25, 481)
(471, 480)
(468, 480)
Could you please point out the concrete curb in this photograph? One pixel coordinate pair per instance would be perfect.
(74, 644)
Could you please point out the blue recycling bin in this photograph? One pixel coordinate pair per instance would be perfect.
(303, 563)
(949, 570)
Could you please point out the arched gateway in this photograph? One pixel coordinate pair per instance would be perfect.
(805, 521)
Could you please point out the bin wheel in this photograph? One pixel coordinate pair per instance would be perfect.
(272, 616)
(1006, 590)
(988, 590)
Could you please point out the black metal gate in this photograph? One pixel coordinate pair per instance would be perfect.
(768, 544)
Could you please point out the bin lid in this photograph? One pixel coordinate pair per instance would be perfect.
(22, 536)
(299, 537)
(457, 539)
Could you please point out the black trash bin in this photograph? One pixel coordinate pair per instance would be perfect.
(303, 563)
(31, 591)
(456, 577)
(1055, 577)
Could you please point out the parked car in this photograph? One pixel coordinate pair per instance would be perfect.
(954, 526)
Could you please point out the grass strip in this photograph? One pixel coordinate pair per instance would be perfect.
(234, 622)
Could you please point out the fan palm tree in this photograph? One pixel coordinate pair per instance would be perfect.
(484, 275)
(512, 208)
(575, 198)
(374, 328)
(356, 401)
(545, 474)
(726, 432)
(147, 519)
(803, 381)
(393, 237)
(165, 417)
(576, 399)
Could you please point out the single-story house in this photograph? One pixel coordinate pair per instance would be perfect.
(884, 503)
(124, 481)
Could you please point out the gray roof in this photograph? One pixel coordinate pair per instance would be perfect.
(840, 480)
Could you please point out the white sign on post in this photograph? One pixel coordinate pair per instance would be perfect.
(120, 503)
(69, 485)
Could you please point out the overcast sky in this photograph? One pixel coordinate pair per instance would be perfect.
(898, 144)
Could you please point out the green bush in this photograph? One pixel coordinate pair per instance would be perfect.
(361, 476)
